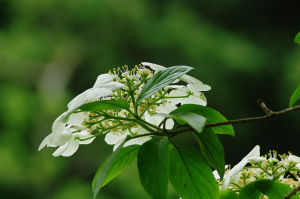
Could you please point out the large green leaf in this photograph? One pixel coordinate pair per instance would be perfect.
(161, 80)
(228, 194)
(212, 150)
(250, 192)
(194, 120)
(210, 114)
(153, 166)
(105, 105)
(297, 38)
(114, 165)
(295, 96)
(190, 174)
(272, 189)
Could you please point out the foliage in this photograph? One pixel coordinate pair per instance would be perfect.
(137, 107)
(295, 96)
(297, 38)
(51, 50)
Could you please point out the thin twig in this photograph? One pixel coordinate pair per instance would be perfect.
(269, 115)
(294, 191)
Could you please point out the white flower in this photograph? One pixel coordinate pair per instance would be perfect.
(71, 146)
(58, 136)
(192, 82)
(66, 132)
(116, 139)
(66, 135)
(88, 95)
(295, 159)
(235, 172)
(103, 87)
(156, 119)
(194, 96)
(107, 81)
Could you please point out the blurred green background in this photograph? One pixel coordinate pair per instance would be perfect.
(51, 50)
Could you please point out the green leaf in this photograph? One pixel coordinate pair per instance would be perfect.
(272, 189)
(191, 176)
(295, 96)
(153, 166)
(228, 194)
(250, 192)
(114, 165)
(295, 196)
(161, 80)
(212, 150)
(194, 120)
(210, 114)
(297, 38)
(105, 105)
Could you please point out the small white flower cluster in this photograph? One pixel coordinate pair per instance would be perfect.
(281, 168)
(73, 128)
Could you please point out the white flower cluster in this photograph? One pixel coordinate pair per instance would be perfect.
(73, 128)
(282, 168)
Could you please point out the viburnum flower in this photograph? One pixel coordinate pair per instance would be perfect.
(233, 174)
(272, 166)
(75, 127)
(103, 87)
(66, 133)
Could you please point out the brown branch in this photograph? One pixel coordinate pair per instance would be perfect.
(293, 192)
(269, 114)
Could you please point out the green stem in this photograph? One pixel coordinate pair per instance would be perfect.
(131, 93)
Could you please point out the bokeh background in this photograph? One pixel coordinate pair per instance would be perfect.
(50, 51)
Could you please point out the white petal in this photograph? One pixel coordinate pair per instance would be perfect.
(166, 108)
(157, 118)
(77, 101)
(44, 142)
(181, 92)
(103, 78)
(106, 81)
(216, 175)
(59, 139)
(59, 124)
(67, 149)
(254, 153)
(194, 99)
(154, 67)
(234, 173)
(112, 85)
(60, 150)
(76, 119)
(294, 158)
(195, 83)
(96, 93)
(88, 95)
(89, 141)
(113, 138)
(84, 135)
(138, 141)
(117, 144)
(73, 145)
(198, 87)
(256, 159)
(169, 124)
(298, 166)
